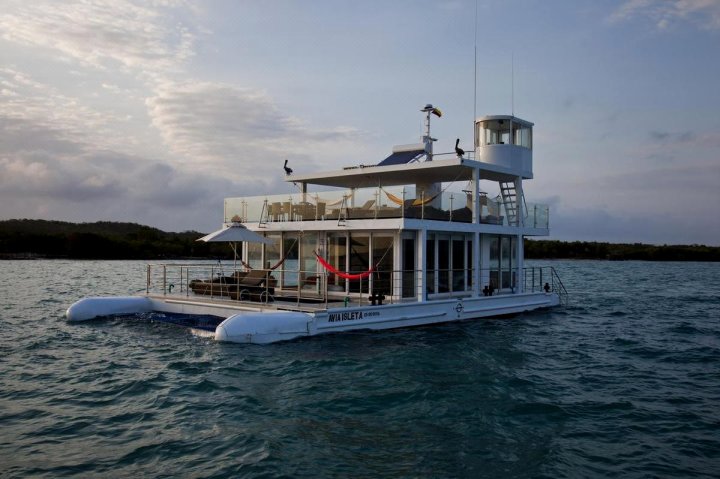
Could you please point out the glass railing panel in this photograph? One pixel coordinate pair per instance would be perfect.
(537, 216)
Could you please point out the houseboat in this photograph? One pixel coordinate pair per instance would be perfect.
(416, 239)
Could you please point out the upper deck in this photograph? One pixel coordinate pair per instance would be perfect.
(392, 191)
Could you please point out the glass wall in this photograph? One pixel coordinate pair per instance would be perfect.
(337, 257)
(430, 264)
(359, 261)
(522, 135)
(443, 264)
(504, 132)
(458, 280)
(409, 270)
(272, 251)
(505, 264)
(503, 258)
(255, 255)
(382, 260)
(308, 262)
(291, 250)
(494, 265)
(449, 262)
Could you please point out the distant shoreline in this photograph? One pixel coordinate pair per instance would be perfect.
(41, 239)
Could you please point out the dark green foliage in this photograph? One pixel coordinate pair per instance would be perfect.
(101, 240)
(109, 240)
(544, 249)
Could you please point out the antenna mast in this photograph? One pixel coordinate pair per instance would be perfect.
(475, 79)
(512, 83)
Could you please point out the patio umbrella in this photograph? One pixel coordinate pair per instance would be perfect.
(234, 234)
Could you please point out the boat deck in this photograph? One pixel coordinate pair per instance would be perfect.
(280, 304)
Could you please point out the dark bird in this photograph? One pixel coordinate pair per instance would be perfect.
(288, 170)
(460, 152)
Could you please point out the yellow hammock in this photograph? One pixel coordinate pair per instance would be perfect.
(417, 202)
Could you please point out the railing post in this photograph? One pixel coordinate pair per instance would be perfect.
(147, 284)
(402, 207)
(164, 280)
(325, 275)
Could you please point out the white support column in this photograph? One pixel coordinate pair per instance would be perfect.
(520, 249)
(477, 263)
(476, 195)
(396, 286)
(519, 254)
(421, 272)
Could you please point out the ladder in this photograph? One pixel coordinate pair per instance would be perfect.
(342, 214)
(510, 201)
(264, 215)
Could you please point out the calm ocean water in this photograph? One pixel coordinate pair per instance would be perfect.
(624, 383)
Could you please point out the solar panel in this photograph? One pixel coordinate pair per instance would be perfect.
(401, 158)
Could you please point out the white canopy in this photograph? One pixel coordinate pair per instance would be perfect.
(233, 234)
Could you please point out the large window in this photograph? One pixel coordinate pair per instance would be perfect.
(308, 262)
(430, 264)
(504, 132)
(503, 259)
(291, 250)
(409, 271)
(522, 135)
(272, 251)
(449, 263)
(458, 281)
(359, 261)
(382, 260)
(255, 255)
(337, 257)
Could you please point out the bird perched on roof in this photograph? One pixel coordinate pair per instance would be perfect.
(460, 152)
(288, 170)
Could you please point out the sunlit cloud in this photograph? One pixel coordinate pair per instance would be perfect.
(238, 132)
(97, 33)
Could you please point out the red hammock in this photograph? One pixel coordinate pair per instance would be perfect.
(330, 268)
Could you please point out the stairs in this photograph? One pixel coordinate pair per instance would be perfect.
(510, 202)
(342, 215)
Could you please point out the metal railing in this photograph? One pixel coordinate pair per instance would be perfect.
(376, 203)
(545, 278)
(319, 288)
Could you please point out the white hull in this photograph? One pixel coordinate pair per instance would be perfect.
(261, 325)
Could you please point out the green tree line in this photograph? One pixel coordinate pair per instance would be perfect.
(547, 249)
(101, 240)
(111, 240)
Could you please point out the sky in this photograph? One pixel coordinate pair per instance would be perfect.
(155, 111)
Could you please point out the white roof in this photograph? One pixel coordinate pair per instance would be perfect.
(435, 171)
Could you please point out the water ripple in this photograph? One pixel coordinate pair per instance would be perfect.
(624, 382)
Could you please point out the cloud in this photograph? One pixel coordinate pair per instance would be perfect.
(79, 183)
(136, 35)
(240, 133)
(665, 136)
(27, 104)
(666, 13)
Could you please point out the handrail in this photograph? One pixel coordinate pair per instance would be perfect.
(322, 287)
(559, 287)
(375, 203)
